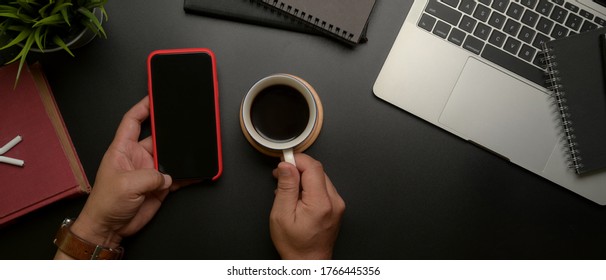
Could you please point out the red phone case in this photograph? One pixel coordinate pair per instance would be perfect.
(216, 99)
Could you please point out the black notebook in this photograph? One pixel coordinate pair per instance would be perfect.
(345, 20)
(247, 11)
(576, 78)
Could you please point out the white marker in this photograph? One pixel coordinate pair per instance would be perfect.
(12, 161)
(6, 148)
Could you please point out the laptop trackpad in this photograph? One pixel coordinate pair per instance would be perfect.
(502, 114)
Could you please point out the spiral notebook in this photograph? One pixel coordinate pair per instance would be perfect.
(247, 11)
(576, 75)
(344, 20)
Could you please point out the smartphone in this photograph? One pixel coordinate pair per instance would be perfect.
(184, 105)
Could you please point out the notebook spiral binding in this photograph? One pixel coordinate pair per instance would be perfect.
(559, 101)
(317, 22)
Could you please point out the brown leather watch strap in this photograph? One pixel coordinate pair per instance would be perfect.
(81, 249)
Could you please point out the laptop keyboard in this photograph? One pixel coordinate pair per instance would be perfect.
(507, 32)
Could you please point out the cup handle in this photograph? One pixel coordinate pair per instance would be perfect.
(289, 156)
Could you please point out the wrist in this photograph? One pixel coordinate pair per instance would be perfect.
(95, 233)
(72, 246)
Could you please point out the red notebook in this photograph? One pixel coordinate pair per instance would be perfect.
(52, 170)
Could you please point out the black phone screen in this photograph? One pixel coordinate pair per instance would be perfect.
(184, 114)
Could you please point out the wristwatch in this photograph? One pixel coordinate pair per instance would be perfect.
(80, 249)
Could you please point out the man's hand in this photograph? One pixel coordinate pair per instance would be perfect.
(307, 211)
(128, 191)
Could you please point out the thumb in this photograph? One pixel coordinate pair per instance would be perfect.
(148, 180)
(287, 192)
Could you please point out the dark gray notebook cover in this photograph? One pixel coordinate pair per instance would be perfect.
(577, 75)
(248, 11)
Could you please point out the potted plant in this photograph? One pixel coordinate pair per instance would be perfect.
(49, 25)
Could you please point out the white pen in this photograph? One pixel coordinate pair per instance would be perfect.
(12, 161)
(6, 148)
(10, 144)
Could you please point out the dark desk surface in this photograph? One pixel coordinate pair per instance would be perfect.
(413, 191)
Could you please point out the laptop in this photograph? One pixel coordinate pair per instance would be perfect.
(473, 68)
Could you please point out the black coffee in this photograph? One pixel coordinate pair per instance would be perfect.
(279, 113)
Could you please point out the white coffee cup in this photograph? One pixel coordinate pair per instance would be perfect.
(273, 117)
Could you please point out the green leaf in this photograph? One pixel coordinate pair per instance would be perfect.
(9, 15)
(94, 20)
(61, 8)
(57, 40)
(65, 16)
(8, 9)
(26, 5)
(22, 55)
(25, 18)
(54, 19)
(39, 38)
(89, 25)
(104, 13)
(94, 4)
(42, 11)
(17, 28)
(22, 36)
(44, 36)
